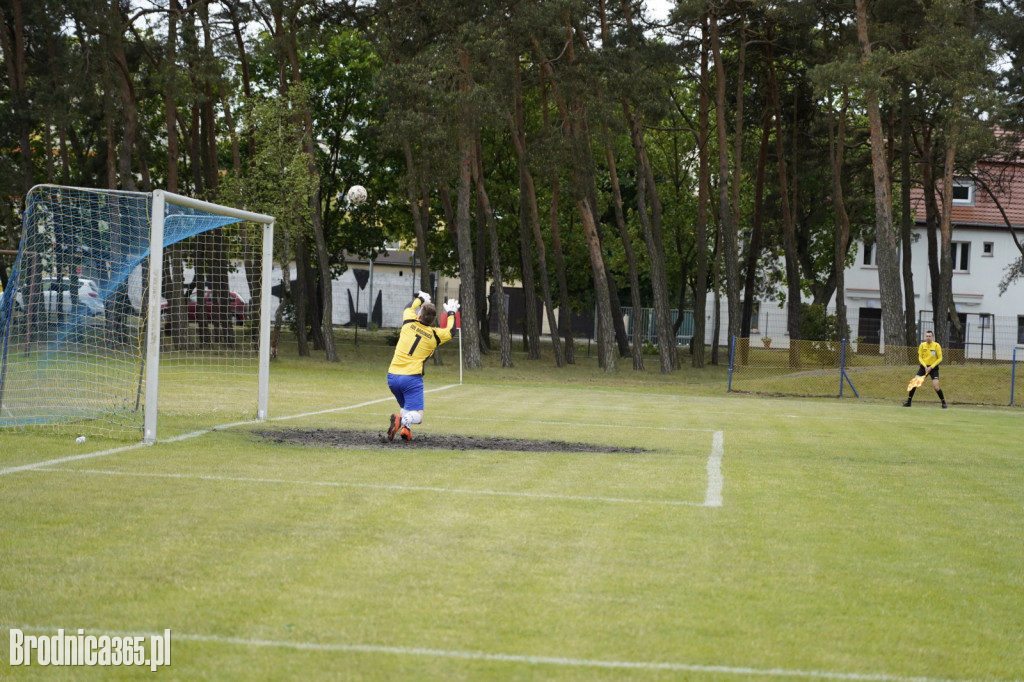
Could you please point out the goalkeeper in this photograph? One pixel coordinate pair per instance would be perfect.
(416, 343)
(929, 354)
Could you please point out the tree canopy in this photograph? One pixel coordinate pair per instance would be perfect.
(596, 156)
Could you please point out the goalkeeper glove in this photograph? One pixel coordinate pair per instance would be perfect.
(424, 296)
(451, 306)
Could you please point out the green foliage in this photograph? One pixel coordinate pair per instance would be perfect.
(821, 331)
(278, 180)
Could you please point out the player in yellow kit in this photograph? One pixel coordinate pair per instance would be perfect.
(929, 354)
(416, 343)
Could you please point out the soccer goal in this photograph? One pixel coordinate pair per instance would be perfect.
(123, 306)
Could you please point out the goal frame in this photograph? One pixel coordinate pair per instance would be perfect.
(161, 199)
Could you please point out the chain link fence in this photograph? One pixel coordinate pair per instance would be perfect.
(865, 370)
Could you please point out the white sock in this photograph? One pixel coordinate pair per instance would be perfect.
(412, 417)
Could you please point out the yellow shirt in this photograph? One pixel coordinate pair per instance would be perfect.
(929, 354)
(417, 342)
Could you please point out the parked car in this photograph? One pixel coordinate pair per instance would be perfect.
(236, 308)
(89, 300)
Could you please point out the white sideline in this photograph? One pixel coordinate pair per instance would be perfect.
(513, 658)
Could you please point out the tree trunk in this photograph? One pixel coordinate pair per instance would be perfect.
(931, 217)
(300, 295)
(837, 141)
(716, 278)
(209, 117)
(754, 250)
(627, 246)
(906, 224)
(945, 284)
(564, 308)
(736, 318)
(606, 348)
(531, 328)
(727, 224)
(420, 216)
(647, 195)
(498, 287)
(12, 39)
(170, 103)
(793, 294)
(700, 287)
(126, 89)
(528, 191)
(574, 127)
(885, 234)
(480, 263)
(466, 135)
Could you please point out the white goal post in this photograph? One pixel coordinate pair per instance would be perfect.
(160, 201)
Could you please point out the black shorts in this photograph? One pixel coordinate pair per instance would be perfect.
(934, 374)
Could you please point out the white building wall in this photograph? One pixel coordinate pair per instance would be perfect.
(975, 291)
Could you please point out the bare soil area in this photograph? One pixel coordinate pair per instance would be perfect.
(342, 438)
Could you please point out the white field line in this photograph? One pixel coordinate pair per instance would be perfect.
(380, 486)
(712, 497)
(740, 671)
(194, 434)
(617, 427)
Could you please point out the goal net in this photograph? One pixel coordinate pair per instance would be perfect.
(123, 305)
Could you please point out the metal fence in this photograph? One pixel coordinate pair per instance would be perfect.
(843, 369)
(649, 329)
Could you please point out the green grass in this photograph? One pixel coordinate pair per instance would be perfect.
(854, 538)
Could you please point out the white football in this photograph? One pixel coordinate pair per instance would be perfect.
(356, 194)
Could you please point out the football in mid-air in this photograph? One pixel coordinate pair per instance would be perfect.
(356, 194)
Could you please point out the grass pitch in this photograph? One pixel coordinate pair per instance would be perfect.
(752, 539)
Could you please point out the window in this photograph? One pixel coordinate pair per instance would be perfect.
(961, 252)
(985, 320)
(963, 192)
(869, 255)
(988, 249)
(1020, 330)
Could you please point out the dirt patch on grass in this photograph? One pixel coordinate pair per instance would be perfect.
(341, 438)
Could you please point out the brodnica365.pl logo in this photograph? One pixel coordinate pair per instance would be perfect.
(80, 649)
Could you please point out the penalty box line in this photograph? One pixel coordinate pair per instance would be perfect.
(522, 659)
(379, 486)
(712, 494)
(617, 427)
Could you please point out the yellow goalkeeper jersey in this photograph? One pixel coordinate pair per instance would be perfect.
(417, 342)
(930, 354)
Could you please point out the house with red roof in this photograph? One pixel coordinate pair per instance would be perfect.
(987, 234)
